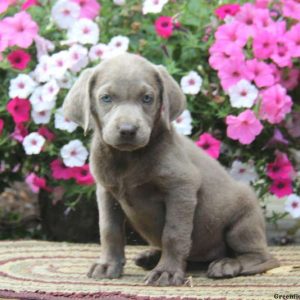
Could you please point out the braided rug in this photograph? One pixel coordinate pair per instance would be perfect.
(49, 270)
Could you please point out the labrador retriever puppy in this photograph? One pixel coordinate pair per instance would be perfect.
(177, 197)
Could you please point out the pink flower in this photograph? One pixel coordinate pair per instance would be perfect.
(4, 4)
(232, 72)
(227, 9)
(247, 18)
(220, 55)
(3, 38)
(60, 171)
(1, 126)
(89, 9)
(294, 37)
(281, 187)
(262, 3)
(282, 56)
(290, 78)
(19, 110)
(36, 183)
(164, 26)
(281, 168)
(291, 9)
(19, 133)
(209, 144)
(260, 73)
(19, 59)
(20, 29)
(244, 128)
(277, 139)
(46, 133)
(29, 3)
(231, 33)
(264, 44)
(275, 104)
(83, 175)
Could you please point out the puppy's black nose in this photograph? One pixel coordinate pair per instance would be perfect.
(127, 130)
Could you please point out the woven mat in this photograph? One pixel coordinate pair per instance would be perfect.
(47, 270)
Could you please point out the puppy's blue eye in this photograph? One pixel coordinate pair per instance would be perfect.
(106, 98)
(148, 99)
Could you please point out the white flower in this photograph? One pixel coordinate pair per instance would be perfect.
(153, 6)
(243, 94)
(243, 172)
(59, 64)
(84, 31)
(78, 57)
(119, 2)
(38, 102)
(191, 83)
(21, 86)
(41, 117)
(183, 124)
(42, 72)
(43, 46)
(66, 81)
(99, 51)
(65, 13)
(33, 143)
(60, 122)
(118, 44)
(292, 205)
(50, 90)
(74, 154)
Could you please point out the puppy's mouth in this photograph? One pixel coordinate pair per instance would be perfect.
(128, 146)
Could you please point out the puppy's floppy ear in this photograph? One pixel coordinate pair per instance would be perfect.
(174, 101)
(76, 106)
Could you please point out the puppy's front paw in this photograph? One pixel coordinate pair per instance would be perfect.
(226, 267)
(110, 270)
(165, 277)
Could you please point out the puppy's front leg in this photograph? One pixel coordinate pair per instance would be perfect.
(176, 239)
(112, 236)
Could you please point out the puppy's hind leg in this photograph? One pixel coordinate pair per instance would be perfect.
(246, 238)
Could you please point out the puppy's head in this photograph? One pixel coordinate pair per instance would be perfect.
(124, 97)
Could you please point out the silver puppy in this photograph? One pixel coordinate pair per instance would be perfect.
(178, 198)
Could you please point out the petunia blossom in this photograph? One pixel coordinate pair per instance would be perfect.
(183, 123)
(29, 3)
(244, 172)
(281, 187)
(191, 83)
(46, 133)
(281, 168)
(20, 29)
(164, 26)
(19, 133)
(33, 143)
(275, 104)
(74, 154)
(1, 126)
(292, 205)
(209, 144)
(83, 176)
(36, 183)
(89, 9)
(19, 59)
(60, 171)
(227, 9)
(19, 110)
(244, 127)
(21, 86)
(243, 94)
(153, 6)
